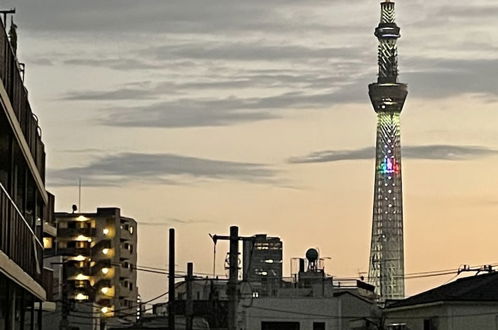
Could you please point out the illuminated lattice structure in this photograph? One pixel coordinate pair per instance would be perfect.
(386, 269)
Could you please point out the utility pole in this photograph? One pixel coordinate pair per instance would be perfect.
(102, 323)
(6, 12)
(171, 281)
(189, 306)
(64, 323)
(233, 278)
(233, 259)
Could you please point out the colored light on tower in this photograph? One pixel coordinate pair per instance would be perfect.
(389, 166)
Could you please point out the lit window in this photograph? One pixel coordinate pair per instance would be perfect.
(105, 270)
(47, 242)
(105, 251)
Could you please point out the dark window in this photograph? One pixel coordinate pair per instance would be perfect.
(280, 326)
(318, 325)
(430, 324)
(400, 326)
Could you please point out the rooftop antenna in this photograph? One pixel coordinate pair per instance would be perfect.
(215, 240)
(6, 12)
(79, 193)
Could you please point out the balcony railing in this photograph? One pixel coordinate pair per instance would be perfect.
(75, 232)
(10, 74)
(18, 240)
(48, 283)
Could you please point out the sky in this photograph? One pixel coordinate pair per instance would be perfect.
(199, 115)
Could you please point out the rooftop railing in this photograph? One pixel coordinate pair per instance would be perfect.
(18, 240)
(10, 74)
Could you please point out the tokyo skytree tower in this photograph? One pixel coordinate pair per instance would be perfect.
(386, 270)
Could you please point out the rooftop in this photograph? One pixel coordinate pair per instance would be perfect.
(474, 288)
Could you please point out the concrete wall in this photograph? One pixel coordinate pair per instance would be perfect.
(447, 316)
(334, 311)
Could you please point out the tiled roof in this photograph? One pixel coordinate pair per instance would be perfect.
(474, 288)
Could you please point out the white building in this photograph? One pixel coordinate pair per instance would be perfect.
(466, 304)
(310, 301)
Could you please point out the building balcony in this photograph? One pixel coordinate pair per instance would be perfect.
(74, 251)
(18, 241)
(48, 283)
(76, 233)
(124, 289)
(127, 231)
(13, 85)
(124, 253)
(125, 272)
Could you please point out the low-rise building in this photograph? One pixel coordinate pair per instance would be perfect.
(468, 303)
(311, 300)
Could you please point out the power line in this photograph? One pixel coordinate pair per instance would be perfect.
(316, 315)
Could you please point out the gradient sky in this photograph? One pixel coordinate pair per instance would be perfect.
(202, 114)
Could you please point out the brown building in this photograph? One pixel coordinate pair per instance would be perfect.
(100, 252)
(23, 198)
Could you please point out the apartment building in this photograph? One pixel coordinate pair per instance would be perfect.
(100, 258)
(23, 198)
(262, 258)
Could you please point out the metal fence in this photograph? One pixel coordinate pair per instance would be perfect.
(18, 240)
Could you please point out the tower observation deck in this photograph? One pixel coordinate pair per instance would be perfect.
(386, 269)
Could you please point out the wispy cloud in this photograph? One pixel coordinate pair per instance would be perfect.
(431, 152)
(120, 169)
(124, 64)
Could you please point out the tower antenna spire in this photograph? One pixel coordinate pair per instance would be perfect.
(386, 269)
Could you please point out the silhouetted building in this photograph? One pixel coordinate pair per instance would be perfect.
(23, 198)
(262, 258)
(311, 300)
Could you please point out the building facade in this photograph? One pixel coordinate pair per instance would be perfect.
(311, 300)
(386, 269)
(99, 252)
(23, 198)
(468, 303)
(262, 258)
